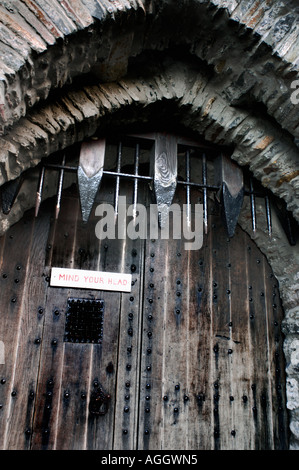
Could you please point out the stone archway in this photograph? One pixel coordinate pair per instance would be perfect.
(232, 92)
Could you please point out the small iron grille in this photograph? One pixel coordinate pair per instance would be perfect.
(84, 321)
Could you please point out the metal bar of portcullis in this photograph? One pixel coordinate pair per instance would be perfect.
(118, 168)
(269, 216)
(205, 196)
(39, 190)
(137, 153)
(253, 208)
(188, 187)
(60, 185)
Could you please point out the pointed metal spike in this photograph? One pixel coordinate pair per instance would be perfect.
(9, 192)
(229, 177)
(39, 190)
(90, 172)
(164, 170)
(253, 207)
(60, 186)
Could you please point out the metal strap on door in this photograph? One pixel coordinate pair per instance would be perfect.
(229, 186)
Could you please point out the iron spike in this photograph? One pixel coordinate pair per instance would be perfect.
(137, 153)
(253, 208)
(90, 173)
(39, 190)
(230, 179)
(60, 185)
(164, 170)
(269, 216)
(205, 194)
(118, 168)
(9, 192)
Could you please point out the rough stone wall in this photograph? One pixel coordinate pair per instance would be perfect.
(223, 68)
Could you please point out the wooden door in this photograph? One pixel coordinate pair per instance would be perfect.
(191, 358)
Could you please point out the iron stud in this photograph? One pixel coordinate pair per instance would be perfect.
(165, 398)
(175, 410)
(126, 409)
(148, 386)
(177, 387)
(125, 431)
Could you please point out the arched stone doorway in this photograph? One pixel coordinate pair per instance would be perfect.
(60, 45)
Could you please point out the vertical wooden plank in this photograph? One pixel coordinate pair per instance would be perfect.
(28, 347)
(220, 334)
(12, 281)
(259, 349)
(153, 354)
(200, 349)
(52, 348)
(127, 393)
(242, 429)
